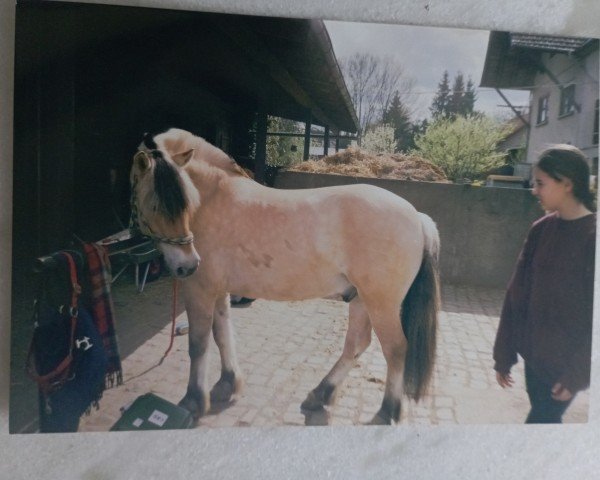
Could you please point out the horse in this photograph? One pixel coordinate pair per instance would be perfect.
(222, 233)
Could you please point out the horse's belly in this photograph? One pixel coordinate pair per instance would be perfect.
(292, 287)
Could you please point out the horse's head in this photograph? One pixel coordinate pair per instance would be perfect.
(163, 200)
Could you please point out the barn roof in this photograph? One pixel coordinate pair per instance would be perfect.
(286, 65)
(511, 58)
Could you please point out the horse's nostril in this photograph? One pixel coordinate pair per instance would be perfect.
(180, 271)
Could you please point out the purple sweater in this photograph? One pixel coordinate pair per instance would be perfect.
(548, 308)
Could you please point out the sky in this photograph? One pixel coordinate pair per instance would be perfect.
(425, 52)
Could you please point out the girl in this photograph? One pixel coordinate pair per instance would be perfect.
(547, 313)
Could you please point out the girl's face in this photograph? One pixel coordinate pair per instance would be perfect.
(552, 194)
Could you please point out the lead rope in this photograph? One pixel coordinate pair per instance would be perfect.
(173, 316)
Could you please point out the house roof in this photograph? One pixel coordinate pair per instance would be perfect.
(287, 66)
(516, 124)
(548, 43)
(511, 59)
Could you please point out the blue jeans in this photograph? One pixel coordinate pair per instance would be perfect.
(544, 409)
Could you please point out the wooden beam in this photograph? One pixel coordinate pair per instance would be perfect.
(516, 112)
(307, 136)
(260, 159)
(326, 141)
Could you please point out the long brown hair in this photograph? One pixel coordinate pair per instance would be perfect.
(566, 161)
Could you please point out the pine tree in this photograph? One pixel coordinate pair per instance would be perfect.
(419, 128)
(456, 105)
(469, 98)
(441, 102)
(460, 101)
(398, 118)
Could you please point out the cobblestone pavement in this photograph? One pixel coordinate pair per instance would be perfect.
(285, 349)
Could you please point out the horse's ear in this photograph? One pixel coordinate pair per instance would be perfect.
(182, 158)
(142, 161)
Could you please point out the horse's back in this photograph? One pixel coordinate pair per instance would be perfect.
(362, 228)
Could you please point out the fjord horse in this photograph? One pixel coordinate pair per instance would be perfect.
(222, 233)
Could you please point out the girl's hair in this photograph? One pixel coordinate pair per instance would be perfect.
(566, 161)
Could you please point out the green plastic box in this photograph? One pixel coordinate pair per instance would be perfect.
(150, 412)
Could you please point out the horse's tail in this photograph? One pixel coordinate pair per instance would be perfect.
(419, 315)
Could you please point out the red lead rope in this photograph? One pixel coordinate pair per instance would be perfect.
(173, 316)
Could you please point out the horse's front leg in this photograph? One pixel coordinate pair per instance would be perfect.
(231, 378)
(200, 308)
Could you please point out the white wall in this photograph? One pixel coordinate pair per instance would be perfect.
(577, 128)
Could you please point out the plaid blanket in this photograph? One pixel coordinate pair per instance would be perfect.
(103, 310)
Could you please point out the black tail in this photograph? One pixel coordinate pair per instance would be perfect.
(419, 322)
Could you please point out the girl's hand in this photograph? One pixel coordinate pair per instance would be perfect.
(504, 379)
(560, 393)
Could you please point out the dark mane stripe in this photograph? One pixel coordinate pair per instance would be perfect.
(168, 187)
(148, 141)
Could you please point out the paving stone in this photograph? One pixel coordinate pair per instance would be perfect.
(285, 349)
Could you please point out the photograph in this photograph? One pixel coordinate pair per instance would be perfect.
(226, 220)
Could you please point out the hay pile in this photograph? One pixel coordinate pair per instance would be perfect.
(360, 163)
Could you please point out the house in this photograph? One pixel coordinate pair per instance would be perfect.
(514, 145)
(561, 74)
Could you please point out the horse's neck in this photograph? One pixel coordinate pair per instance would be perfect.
(207, 179)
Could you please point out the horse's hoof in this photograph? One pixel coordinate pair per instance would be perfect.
(222, 391)
(312, 402)
(195, 403)
(379, 420)
(319, 397)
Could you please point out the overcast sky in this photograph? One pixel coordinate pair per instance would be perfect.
(425, 52)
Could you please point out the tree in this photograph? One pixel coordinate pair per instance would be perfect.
(464, 147)
(283, 151)
(398, 118)
(469, 99)
(373, 82)
(458, 101)
(416, 128)
(456, 104)
(379, 139)
(441, 102)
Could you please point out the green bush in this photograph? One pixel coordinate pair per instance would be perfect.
(284, 151)
(464, 148)
(379, 139)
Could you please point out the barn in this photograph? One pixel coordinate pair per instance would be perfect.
(91, 79)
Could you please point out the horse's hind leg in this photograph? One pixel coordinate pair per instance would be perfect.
(358, 339)
(231, 380)
(387, 326)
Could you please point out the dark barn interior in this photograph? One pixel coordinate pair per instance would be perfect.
(90, 80)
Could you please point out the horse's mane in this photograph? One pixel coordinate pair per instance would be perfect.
(175, 141)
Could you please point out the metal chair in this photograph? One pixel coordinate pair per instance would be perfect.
(125, 250)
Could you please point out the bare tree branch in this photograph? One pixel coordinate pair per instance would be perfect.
(373, 81)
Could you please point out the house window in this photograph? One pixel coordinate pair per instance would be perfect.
(596, 119)
(567, 100)
(542, 115)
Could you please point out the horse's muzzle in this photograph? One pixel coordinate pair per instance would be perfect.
(182, 261)
(185, 271)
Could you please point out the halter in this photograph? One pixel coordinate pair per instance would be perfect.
(137, 222)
